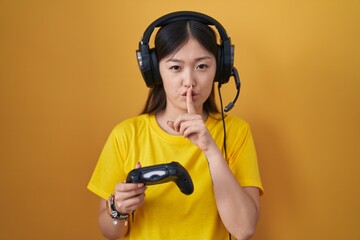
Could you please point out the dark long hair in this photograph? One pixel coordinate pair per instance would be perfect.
(170, 39)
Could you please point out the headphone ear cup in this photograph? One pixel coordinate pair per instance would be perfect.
(149, 68)
(155, 69)
(220, 76)
(227, 51)
(144, 61)
(218, 65)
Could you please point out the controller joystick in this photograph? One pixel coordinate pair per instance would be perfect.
(163, 173)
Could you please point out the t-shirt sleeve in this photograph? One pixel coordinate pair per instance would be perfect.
(109, 168)
(243, 158)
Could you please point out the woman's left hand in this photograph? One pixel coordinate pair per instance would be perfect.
(192, 126)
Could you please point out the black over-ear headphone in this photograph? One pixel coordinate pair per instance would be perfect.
(148, 62)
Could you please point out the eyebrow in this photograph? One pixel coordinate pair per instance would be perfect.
(196, 59)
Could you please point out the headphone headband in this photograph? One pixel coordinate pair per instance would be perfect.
(183, 16)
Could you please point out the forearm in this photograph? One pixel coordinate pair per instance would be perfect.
(238, 210)
(107, 228)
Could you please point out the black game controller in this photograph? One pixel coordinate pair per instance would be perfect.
(163, 173)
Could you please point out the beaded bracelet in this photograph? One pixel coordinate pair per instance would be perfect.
(110, 206)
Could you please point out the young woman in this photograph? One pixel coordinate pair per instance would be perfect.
(180, 122)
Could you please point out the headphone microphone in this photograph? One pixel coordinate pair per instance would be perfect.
(234, 73)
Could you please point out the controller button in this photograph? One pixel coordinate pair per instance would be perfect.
(152, 174)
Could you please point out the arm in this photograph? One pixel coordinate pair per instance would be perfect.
(238, 206)
(107, 228)
(128, 197)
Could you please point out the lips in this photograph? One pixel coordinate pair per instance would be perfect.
(184, 94)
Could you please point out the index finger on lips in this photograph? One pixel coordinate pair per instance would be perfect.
(189, 102)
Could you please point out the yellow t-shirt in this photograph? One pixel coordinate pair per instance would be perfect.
(167, 213)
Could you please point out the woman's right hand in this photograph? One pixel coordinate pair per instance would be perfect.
(129, 196)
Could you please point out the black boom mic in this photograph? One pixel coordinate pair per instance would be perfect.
(235, 74)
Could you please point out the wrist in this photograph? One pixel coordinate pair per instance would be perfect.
(113, 213)
(211, 151)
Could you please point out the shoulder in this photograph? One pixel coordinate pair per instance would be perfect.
(230, 120)
(236, 122)
(132, 124)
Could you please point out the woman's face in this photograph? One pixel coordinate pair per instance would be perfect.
(192, 66)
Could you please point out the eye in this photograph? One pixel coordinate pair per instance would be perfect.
(202, 66)
(175, 67)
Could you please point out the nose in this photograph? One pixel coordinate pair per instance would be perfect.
(189, 79)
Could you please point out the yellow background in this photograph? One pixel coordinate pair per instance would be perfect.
(68, 75)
